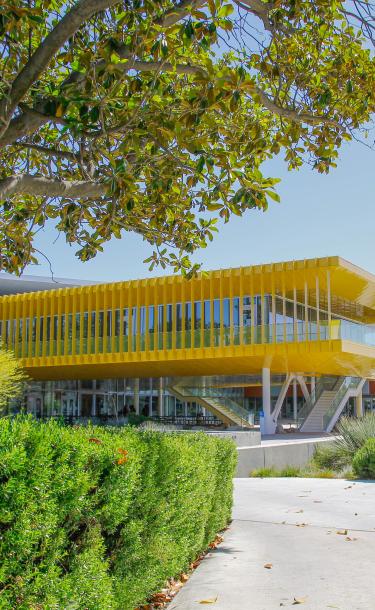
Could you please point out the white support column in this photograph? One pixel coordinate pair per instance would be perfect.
(295, 410)
(160, 397)
(266, 393)
(359, 405)
(136, 395)
(150, 399)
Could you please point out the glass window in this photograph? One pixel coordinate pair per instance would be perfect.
(216, 313)
(178, 317)
(117, 323)
(226, 313)
(151, 319)
(101, 324)
(257, 310)
(85, 324)
(187, 316)
(109, 323)
(21, 327)
(126, 322)
(236, 311)
(246, 311)
(268, 309)
(78, 324)
(33, 330)
(160, 318)
(134, 321)
(207, 314)
(62, 332)
(197, 314)
(279, 310)
(169, 318)
(236, 320)
(142, 320)
(93, 316)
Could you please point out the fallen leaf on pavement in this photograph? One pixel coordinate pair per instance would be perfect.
(301, 524)
(213, 600)
(350, 539)
(268, 566)
(299, 511)
(299, 600)
(342, 532)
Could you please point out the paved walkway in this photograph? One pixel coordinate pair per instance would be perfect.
(317, 535)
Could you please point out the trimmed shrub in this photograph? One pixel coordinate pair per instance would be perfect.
(364, 460)
(98, 518)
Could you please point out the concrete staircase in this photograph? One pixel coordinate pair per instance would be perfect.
(323, 415)
(314, 421)
(224, 408)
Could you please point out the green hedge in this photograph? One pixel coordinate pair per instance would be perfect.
(85, 526)
(364, 460)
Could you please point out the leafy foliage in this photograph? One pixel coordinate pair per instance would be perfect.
(364, 460)
(99, 518)
(12, 378)
(156, 117)
(352, 434)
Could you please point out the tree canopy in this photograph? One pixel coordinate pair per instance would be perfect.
(156, 116)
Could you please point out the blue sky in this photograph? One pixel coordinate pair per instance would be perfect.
(318, 215)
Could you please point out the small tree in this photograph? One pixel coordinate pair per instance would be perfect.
(12, 378)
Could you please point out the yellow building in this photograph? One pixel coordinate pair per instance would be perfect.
(203, 342)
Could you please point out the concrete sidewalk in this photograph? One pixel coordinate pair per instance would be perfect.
(299, 527)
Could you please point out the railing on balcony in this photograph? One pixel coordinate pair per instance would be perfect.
(200, 338)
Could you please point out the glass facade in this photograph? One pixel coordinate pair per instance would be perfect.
(111, 400)
(198, 324)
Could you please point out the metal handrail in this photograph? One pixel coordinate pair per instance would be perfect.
(208, 395)
(324, 384)
(347, 384)
(298, 331)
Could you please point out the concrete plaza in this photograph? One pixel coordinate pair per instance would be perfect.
(316, 538)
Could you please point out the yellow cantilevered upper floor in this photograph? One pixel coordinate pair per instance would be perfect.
(314, 316)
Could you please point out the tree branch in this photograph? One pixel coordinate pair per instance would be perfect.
(65, 29)
(24, 124)
(178, 12)
(137, 65)
(293, 115)
(259, 9)
(44, 187)
(51, 152)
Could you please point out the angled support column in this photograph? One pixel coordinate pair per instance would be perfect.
(302, 382)
(281, 398)
(295, 399)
